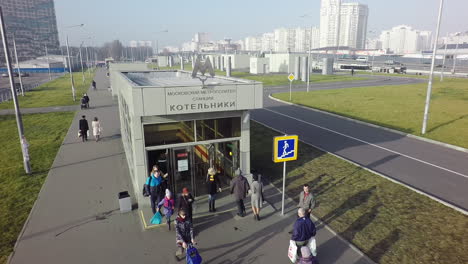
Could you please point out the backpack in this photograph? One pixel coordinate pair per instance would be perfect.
(192, 256)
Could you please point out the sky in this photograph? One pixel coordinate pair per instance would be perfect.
(107, 20)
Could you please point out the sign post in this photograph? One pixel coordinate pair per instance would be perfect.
(291, 78)
(285, 149)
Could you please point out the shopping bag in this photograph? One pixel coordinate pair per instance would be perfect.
(312, 245)
(292, 251)
(192, 256)
(79, 133)
(156, 219)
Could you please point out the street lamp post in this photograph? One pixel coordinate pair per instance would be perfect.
(309, 60)
(19, 120)
(81, 61)
(443, 61)
(18, 66)
(48, 63)
(429, 86)
(71, 73)
(455, 54)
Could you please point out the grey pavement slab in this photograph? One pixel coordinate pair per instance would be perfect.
(76, 218)
(438, 171)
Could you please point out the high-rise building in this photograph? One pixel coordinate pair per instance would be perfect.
(329, 22)
(253, 43)
(268, 42)
(404, 39)
(353, 25)
(303, 39)
(285, 39)
(34, 26)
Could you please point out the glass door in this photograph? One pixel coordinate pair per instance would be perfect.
(181, 168)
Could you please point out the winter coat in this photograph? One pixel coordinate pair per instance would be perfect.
(308, 202)
(303, 229)
(213, 183)
(154, 184)
(240, 187)
(83, 125)
(184, 230)
(185, 202)
(168, 205)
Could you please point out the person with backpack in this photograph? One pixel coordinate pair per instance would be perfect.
(184, 202)
(184, 233)
(168, 204)
(153, 187)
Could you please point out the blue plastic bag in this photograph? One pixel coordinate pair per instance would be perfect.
(192, 256)
(156, 219)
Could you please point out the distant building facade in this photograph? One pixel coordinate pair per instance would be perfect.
(404, 39)
(34, 25)
(353, 25)
(329, 22)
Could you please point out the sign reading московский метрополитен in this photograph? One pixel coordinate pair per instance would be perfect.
(193, 100)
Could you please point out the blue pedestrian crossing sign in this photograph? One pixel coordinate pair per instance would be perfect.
(285, 148)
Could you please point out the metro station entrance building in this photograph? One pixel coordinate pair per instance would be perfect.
(170, 119)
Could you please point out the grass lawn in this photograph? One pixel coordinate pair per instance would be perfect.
(54, 93)
(388, 222)
(400, 107)
(18, 191)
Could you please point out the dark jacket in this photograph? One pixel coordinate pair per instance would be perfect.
(213, 183)
(83, 125)
(303, 230)
(185, 202)
(239, 187)
(86, 98)
(184, 230)
(154, 184)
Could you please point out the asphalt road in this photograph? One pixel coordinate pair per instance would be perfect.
(437, 171)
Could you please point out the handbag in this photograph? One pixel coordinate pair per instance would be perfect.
(312, 245)
(292, 251)
(156, 219)
(146, 189)
(192, 255)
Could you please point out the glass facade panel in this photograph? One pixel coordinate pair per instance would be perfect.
(220, 128)
(168, 133)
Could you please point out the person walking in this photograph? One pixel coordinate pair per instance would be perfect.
(214, 185)
(154, 185)
(303, 231)
(94, 84)
(184, 233)
(306, 200)
(86, 99)
(168, 204)
(96, 125)
(257, 196)
(184, 202)
(83, 127)
(240, 187)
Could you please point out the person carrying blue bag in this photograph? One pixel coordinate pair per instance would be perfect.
(168, 204)
(185, 240)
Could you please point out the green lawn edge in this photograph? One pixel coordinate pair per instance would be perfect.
(386, 221)
(19, 191)
(57, 92)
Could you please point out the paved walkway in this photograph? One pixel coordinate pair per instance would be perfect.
(76, 218)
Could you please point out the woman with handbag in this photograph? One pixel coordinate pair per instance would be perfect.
(96, 125)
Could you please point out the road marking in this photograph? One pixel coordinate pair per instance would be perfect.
(368, 143)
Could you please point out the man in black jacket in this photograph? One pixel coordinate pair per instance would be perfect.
(83, 126)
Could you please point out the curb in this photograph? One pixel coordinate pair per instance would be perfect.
(461, 149)
(380, 174)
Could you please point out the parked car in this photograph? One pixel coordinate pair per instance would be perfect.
(15, 74)
(362, 58)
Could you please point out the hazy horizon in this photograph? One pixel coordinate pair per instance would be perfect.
(117, 19)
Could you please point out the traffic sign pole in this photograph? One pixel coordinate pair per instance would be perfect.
(291, 78)
(284, 187)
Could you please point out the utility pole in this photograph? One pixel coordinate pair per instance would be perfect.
(48, 63)
(443, 61)
(87, 62)
(309, 61)
(18, 66)
(19, 120)
(431, 75)
(455, 54)
(71, 73)
(81, 60)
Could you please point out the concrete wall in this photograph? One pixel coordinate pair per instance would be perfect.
(282, 62)
(259, 65)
